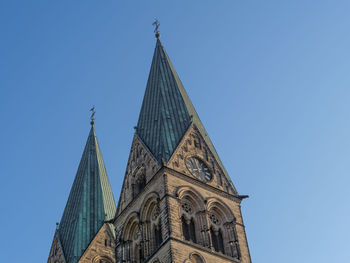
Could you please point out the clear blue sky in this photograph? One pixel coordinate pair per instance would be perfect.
(269, 79)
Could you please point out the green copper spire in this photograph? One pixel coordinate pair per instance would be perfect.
(164, 117)
(167, 112)
(89, 205)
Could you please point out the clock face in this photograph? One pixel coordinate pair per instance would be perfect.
(198, 168)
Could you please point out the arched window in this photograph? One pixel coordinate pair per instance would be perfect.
(131, 241)
(152, 224)
(185, 230)
(217, 240)
(192, 216)
(222, 228)
(192, 231)
(195, 258)
(188, 228)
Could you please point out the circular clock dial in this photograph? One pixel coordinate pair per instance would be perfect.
(198, 168)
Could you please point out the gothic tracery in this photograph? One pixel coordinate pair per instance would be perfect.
(209, 223)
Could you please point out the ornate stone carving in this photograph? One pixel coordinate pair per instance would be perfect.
(137, 234)
(141, 167)
(214, 219)
(193, 144)
(187, 207)
(156, 213)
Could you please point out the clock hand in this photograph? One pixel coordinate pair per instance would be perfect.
(197, 163)
(193, 163)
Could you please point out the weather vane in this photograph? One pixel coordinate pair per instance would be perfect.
(156, 27)
(92, 118)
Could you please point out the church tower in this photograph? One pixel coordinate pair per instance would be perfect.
(177, 203)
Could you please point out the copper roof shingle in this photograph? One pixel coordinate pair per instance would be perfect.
(89, 205)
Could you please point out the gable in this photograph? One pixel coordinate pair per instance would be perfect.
(140, 163)
(56, 251)
(101, 248)
(193, 145)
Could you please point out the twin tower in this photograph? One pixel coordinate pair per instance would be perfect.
(177, 202)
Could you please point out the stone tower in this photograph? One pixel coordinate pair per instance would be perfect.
(177, 202)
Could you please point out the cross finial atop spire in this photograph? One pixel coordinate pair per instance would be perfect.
(156, 27)
(92, 118)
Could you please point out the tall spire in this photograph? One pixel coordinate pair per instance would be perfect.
(90, 202)
(167, 112)
(164, 117)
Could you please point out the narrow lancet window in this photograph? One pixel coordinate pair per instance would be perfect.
(217, 240)
(158, 235)
(188, 229)
(192, 231)
(185, 229)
